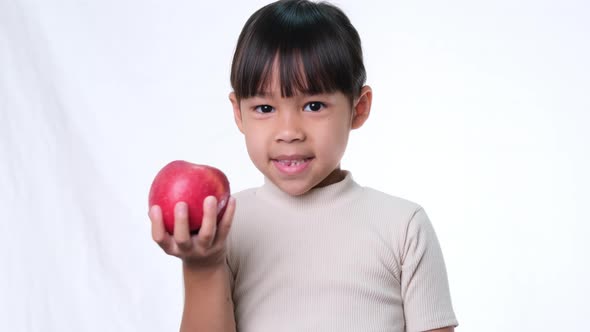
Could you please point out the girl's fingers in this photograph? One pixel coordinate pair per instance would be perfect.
(182, 235)
(226, 222)
(181, 243)
(159, 234)
(158, 230)
(209, 224)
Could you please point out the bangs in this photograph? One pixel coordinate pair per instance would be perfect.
(313, 48)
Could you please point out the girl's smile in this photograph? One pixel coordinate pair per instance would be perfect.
(292, 165)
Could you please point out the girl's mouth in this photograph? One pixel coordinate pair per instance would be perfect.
(292, 166)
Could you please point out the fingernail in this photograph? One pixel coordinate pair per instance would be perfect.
(210, 200)
(152, 210)
(181, 208)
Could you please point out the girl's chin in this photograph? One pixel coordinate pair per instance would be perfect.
(293, 187)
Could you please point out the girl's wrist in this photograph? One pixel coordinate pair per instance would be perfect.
(205, 268)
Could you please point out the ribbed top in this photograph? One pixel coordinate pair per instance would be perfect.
(338, 258)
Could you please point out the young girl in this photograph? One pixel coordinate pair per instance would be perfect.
(309, 250)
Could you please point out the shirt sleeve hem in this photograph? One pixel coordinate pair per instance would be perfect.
(439, 324)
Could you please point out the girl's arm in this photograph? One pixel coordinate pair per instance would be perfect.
(208, 303)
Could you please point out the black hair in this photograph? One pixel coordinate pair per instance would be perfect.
(317, 48)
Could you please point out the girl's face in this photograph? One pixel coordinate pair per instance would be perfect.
(298, 142)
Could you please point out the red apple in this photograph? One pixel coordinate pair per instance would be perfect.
(189, 183)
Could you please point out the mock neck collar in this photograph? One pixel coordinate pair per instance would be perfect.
(334, 193)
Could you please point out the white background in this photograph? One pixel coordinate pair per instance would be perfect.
(481, 114)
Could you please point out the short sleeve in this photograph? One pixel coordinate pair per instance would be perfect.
(424, 282)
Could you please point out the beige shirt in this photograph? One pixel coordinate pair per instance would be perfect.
(339, 258)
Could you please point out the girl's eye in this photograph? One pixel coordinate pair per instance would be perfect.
(314, 106)
(264, 109)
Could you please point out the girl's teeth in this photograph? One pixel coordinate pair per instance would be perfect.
(292, 162)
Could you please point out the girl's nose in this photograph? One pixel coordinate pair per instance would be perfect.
(289, 128)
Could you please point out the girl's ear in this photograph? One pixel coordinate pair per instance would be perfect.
(362, 107)
(237, 113)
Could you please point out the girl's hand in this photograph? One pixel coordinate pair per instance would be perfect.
(204, 250)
